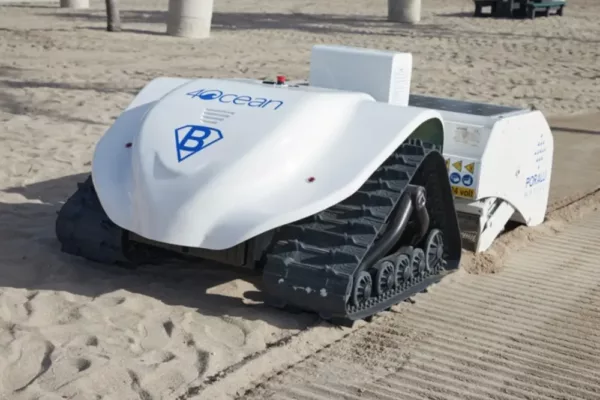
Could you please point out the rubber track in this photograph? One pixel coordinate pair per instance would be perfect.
(83, 228)
(312, 263)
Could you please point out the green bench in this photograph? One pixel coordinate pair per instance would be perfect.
(518, 8)
(539, 6)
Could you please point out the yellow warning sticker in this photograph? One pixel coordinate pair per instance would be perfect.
(458, 165)
(463, 192)
(470, 167)
(448, 163)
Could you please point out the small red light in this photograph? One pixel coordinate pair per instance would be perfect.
(280, 79)
(128, 145)
(311, 179)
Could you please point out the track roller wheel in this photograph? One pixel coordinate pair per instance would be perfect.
(362, 288)
(417, 262)
(434, 250)
(385, 278)
(403, 269)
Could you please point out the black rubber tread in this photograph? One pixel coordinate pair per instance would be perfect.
(83, 229)
(312, 262)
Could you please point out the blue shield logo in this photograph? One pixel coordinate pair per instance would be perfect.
(190, 139)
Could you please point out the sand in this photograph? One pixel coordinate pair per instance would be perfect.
(528, 332)
(72, 329)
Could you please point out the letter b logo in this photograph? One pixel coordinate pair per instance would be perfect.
(190, 139)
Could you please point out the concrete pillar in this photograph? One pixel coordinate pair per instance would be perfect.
(76, 4)
(190, 18)
(407, 11)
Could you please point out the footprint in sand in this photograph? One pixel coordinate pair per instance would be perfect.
(29, 358)
(82, 364)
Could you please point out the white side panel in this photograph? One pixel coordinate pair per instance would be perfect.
(517, 165)
(256, 175)
(508, 158)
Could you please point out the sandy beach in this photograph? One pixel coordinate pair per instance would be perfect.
(73, 329)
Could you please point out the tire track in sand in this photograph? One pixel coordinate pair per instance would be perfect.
(530, 331)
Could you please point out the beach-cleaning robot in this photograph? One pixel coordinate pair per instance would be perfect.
(348, 193)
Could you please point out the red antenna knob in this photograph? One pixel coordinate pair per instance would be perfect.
(280, 79)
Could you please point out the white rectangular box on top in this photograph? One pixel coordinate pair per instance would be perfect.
(385, 75)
